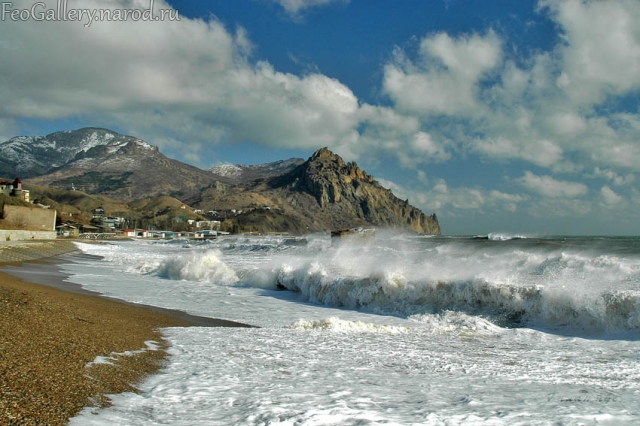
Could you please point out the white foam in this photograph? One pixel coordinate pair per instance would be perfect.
(315, 364)
(342, 326)
(202, 266)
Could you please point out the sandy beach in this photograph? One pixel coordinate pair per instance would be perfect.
(52, 333)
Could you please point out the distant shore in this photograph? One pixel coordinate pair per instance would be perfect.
(52, 331)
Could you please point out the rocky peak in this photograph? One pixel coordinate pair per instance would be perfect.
(326, 155)
(324, 164)
(344, 189)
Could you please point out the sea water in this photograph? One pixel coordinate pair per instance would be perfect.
(400, 330)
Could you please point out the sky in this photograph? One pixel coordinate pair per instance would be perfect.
(518, 117)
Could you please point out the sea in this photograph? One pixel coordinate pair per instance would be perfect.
(493, 329)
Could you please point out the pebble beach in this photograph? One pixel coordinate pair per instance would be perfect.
(61, 351)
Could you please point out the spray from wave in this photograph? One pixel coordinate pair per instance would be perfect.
(203, 266)
(580, 283)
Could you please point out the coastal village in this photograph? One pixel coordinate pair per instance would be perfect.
(41, 222)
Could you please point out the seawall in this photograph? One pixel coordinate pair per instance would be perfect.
(18, 235)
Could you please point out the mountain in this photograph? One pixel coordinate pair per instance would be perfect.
(30, 156)
(345, 194)
(319, 194)
(237, 174)
(98, 161)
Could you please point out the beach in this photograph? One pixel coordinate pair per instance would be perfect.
(62, 350)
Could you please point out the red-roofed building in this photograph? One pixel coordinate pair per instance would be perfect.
(14, 189)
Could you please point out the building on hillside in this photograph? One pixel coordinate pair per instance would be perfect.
(98, 213)
(208, 224)
(14, 189)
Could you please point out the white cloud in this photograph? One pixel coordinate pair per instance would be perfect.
(441, 197)
(601, 55)
(444, 79)
(540, 152)
(612, 176)
(544, 109)
(550, 187)
(295, 7)
(609, 196)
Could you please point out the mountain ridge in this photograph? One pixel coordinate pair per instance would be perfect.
(321, 193)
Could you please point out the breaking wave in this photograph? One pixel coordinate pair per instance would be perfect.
(205, 266)
(496, 236)
(504, 304)
(588, 284)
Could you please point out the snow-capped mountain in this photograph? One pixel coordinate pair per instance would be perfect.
(29, 156)
(99, 161)
(242, 173)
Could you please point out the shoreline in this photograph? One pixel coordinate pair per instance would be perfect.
(53, 331)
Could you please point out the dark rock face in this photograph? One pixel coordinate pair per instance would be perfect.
(344, 189)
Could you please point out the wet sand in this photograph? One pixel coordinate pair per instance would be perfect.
(52, 331)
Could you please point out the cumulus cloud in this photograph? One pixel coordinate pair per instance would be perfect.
(441, 196)
(550, 187)
(609, 196)
(601, 53)
(181, 81)
(540, 152)
(612, 176)
(550, 108)
(444, 78)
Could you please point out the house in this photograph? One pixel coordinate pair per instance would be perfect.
(67, 230)
(129, 232)
(107, 223)
(88, 229)
(205, 235)
(14, 189)
(164, 234)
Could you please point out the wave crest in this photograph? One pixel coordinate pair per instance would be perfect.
(201, 266)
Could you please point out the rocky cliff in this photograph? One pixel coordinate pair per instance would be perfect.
(344, 190)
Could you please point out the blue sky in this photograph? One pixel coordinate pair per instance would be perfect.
(499, 116)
